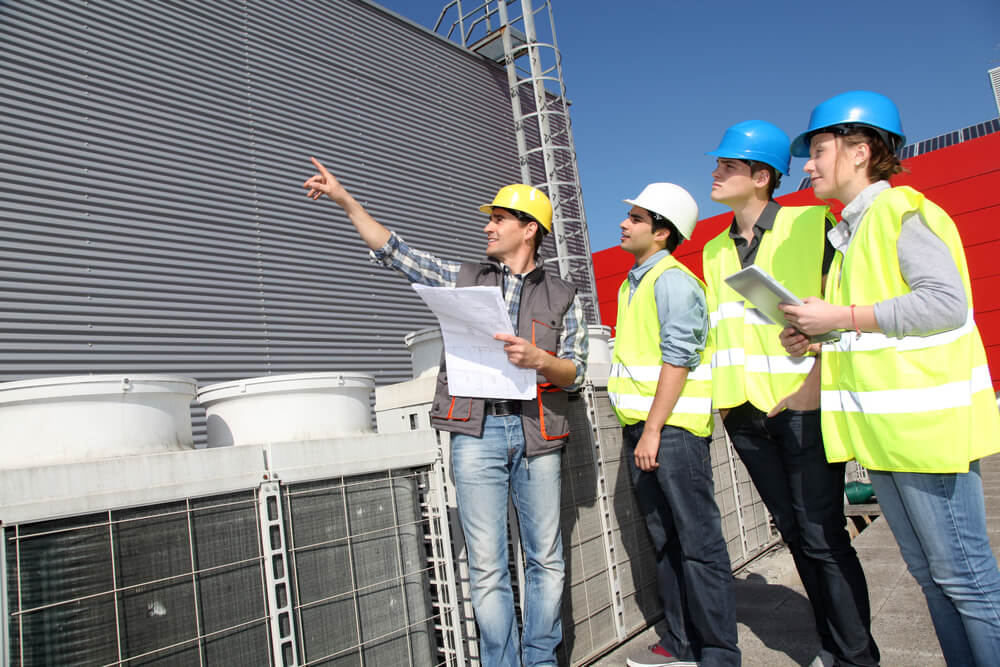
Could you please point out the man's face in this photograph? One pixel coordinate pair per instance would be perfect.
(505, 234)
(637, 236)
(732, 181)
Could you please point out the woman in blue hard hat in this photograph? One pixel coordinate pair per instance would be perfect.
(906, 390)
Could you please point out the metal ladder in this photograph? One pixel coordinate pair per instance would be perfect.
(541, 118)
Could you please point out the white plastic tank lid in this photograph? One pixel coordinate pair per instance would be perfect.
(78, 385)
(283, 383)
(420, 335)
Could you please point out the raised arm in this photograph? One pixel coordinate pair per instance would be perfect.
(325, 183)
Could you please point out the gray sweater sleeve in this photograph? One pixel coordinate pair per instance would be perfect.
(937, 300)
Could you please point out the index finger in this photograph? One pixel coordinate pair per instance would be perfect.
(505, 337)
(319, 166)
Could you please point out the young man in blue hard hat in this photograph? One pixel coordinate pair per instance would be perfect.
(493, 441)
(769, 400)
(660, 387)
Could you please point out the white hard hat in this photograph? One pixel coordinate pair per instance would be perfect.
(671, 202)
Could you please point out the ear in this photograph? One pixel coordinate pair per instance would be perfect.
(661, 235)
(761, 178)
(530, 230)
(862, 153)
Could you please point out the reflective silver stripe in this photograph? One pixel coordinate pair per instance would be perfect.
(652, 373)
(871, 341)
(685, 404)
(896, 401)
(734, 356)
(758, 363)
(726, 311)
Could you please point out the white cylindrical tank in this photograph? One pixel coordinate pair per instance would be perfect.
(287, 408)
(425, 348)
(599, 359)
(62, 419)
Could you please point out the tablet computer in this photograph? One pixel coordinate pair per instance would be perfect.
(765, 294)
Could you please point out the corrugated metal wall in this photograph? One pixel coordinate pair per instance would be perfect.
(151, 157)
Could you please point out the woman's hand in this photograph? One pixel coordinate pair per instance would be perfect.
(816, 316)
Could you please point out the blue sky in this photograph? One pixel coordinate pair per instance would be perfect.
(654, 84)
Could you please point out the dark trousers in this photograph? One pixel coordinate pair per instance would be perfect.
(805, 495)
(693, 572)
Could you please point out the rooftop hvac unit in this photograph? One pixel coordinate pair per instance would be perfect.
(205, 557)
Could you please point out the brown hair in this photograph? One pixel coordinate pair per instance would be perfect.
(883, 163)
(660, 222)
(772, 184)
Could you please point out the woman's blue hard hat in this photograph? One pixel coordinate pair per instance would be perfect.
(854, 108)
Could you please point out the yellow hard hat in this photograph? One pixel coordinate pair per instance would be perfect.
(526, 199)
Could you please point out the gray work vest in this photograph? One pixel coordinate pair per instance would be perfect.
(545, 298)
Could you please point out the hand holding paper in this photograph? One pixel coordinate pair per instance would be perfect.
(477, 361)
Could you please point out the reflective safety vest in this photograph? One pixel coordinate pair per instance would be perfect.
(637, 360)
(748, 361)
(545, 298)
(910, 404)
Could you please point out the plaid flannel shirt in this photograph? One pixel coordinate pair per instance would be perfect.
(426, 269)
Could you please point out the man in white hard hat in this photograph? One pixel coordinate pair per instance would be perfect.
(503, 448)
(769, 400)
(661, 388)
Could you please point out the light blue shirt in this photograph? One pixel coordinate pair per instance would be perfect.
(683, 314)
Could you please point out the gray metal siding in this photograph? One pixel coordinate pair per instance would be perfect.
(151, 158)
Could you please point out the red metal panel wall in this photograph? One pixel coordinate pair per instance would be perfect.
(963, 179)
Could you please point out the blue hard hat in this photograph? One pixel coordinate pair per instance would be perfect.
(755, 140)
(857, 107)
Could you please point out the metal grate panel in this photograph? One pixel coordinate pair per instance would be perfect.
(362, 591)
(176, 583)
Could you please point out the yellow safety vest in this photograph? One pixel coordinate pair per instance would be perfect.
(910, 404)
(636, 361)
(748, 361)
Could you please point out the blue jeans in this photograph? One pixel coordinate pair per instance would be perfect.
(939, 521)
(487, 470)
(693, 571)
(805, 495)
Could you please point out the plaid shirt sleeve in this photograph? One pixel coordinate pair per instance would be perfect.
(415, 265)
(575, 345)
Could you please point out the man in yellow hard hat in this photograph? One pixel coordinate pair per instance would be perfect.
(503, 448)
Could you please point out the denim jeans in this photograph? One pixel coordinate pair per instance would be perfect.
(693, 571)
(805, 495)
(939, 521)
(487, 471)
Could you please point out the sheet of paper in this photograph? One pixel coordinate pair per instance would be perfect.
(477, 364)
